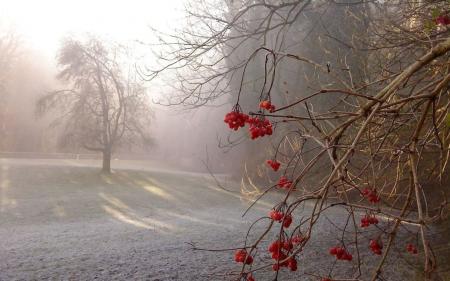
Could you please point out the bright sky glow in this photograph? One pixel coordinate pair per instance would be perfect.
(41, 24)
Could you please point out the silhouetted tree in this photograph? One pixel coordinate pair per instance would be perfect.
(103, 107)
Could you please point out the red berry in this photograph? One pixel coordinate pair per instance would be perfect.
(272, 214)
(239, 255)
(333, 251)
(250, 278)
(283, 182)
(373, 220)
(374, 198)
(287, 221)
(411, 248)
(265, 104)
(375, 246)
(242, 256)
(371, 195)
(276, 215)
(275, 267)
(367, 220)
(364, 222)
(347, 256)
(274, 247)
(274, 164)
(375, 243)
(278, 255)
(288, 246)
(341, 253)
(443, 20)
(292, 264)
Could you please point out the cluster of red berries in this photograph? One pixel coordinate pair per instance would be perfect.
(290, 263)
(341, 253)
(249, 278)
(265, 104)
(443, 20)
(274, 164)
(375, 246)
(371, 195)
(276, 248)
(280, 217)
(367, 220)
(235, 119)
(259, 127)
(411, 248)
(242, 256)
(276, 215)
(283, 182)
(326, 279)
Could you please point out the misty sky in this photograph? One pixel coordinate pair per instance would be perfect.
(41, 24)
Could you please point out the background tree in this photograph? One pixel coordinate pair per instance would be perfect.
(103, 107)
(9, 45)
(8, 54)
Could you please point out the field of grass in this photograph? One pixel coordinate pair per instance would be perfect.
(63, 220)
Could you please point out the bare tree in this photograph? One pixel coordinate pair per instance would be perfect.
(103, 106)
(363, 130)
(9, 45)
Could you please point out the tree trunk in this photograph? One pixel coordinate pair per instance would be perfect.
(106, 167)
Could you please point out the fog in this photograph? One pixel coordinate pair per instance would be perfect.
(190, 134)
(132, 130)
(181, 137)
